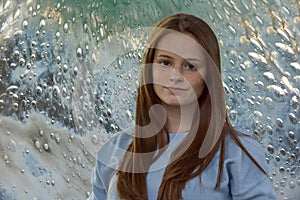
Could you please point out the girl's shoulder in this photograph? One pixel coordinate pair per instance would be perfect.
(251, 144)
(112, 151)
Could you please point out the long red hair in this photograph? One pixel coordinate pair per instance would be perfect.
(131, 183)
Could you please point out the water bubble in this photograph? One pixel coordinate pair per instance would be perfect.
(283, 151)
(282, 183)
(109, 112)
(12, 145)
(25, 24)
(101, 120)
(37, 144)
(42, 23)
(293, 118)
(279, 122)
(291, 135)
(57, 35)
(270, 149)
(16, 55)
(94, 139)
(57, 139)
(128, 114)
(38, 91)
(22, 62)
(284, 48)
(277, 93)
(79, 52)
(66, 27)
(292, 184)
(112, 127)
(270, 76)
(56, 92)
(294, 103)
(46, 147)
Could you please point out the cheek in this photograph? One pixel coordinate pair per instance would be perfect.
(197, 84)
(159, 76)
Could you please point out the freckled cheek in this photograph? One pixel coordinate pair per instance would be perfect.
(197, 83)
(159, 77)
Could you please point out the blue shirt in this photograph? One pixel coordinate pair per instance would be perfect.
(241, 178)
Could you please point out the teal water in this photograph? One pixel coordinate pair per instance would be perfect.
(68, 74)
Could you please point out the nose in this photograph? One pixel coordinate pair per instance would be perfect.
(176, 74)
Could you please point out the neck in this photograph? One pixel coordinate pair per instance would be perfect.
(180, 118)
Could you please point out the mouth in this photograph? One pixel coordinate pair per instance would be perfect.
(175, 89)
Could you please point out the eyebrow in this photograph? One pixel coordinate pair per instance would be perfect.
(187, 59)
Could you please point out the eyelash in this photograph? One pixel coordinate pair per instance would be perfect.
(188, 66)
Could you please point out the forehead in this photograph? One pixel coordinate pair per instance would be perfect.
(181, 44)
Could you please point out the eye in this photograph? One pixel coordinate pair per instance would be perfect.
(190, 67)
(165, 63)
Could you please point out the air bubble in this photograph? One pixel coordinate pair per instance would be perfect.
(270, 149)
(293, 118)
(56, 92)
(42, 23)
(46, 147)
(109, 112)
(128, 114)
(12, 145)
(101, 120)
(79, 52)
(283, 151)
(66, 27)
(291, 135)
(37, 144)
(38, 91)
(94, 139)
(292, 184)
(25, 24)
(279, 123)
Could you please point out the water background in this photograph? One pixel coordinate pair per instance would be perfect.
(69, 69)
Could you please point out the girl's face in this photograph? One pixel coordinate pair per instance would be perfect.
(178, 67)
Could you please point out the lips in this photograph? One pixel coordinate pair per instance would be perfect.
(175, 89)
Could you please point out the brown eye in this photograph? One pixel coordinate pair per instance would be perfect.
(190, 67)
(165, 63)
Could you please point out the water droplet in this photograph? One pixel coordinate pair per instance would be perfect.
(94, 139)
(291, 135)
(269, 103)
(22, 62)
(56, 92)
(270, 149)
(65, 68)
(37, 144)
(25, 24)
(292, 184)
(79, 52)
(66, 27)
(112, 127)
(57, 35)
(42, 23)
(128, 114)
(293, 118)
(38, 91)
(101, 120)
(109, 112)
(283, 151)
(279, 123)
(46, 147)
(12, 145)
